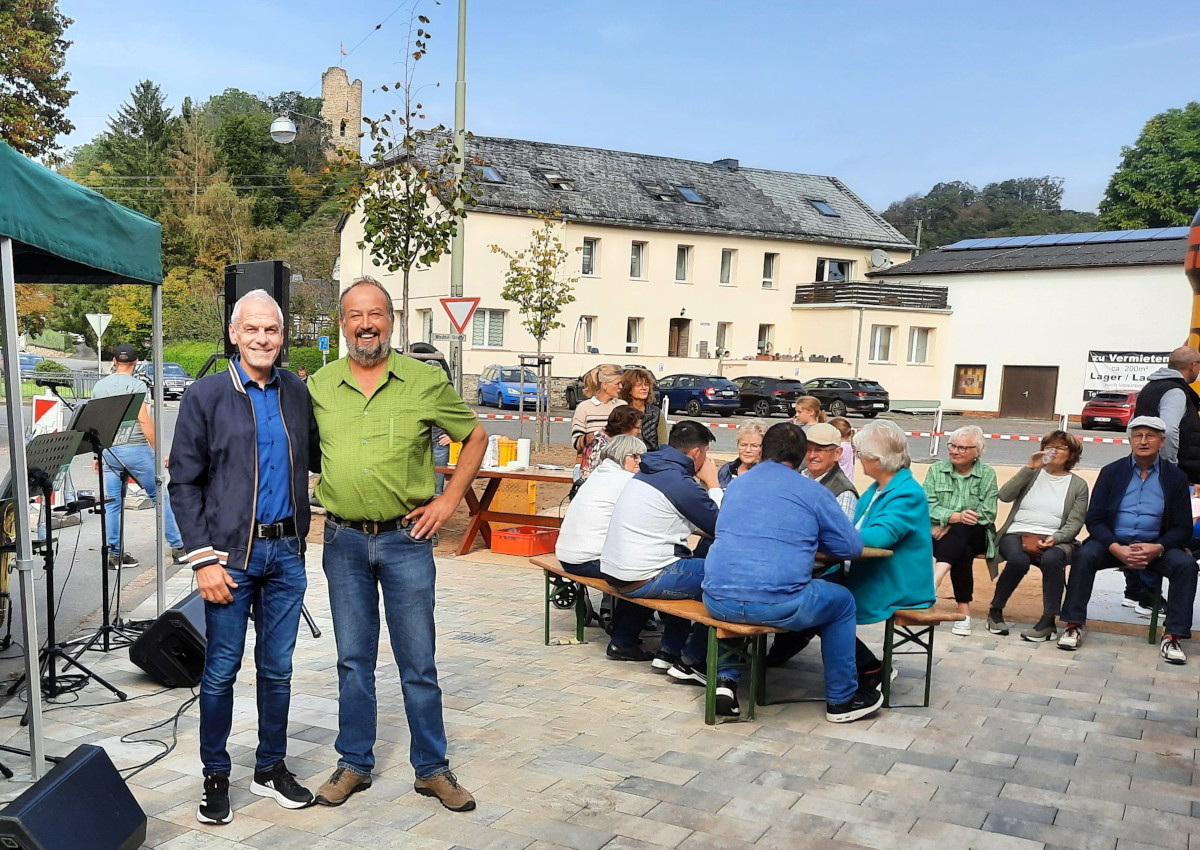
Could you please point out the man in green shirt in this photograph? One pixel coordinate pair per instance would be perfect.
(375, 410)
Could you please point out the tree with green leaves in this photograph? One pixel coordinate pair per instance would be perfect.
(33, 85)
(139, 144)
(1157, 183)
(409, 196)
(537, 282)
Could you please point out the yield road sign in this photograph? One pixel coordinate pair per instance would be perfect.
(460, 311)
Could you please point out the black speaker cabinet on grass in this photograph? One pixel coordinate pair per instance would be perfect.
(275, 276)
(172, 648)
(81, 804)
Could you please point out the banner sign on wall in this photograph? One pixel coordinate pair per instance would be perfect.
(1120, 371)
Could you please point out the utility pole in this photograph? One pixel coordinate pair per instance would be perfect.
(457, 244)
(919, 223)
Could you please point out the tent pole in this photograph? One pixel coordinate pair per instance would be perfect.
(20, 492)
(159, 479)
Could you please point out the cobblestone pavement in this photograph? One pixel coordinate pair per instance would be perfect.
(1024, 746)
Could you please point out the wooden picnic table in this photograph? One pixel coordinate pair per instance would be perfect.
(480, 506)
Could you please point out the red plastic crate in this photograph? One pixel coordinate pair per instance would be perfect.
(527, 540)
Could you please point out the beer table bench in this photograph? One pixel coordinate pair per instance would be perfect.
(480, 507)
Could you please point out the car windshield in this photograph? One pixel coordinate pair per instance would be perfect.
(1119, 398)
(512, 376)
(870, 385)
(174, 370)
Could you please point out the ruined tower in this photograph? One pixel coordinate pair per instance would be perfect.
(341, 108)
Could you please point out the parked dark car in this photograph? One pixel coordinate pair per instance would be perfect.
(840, 396)
(575, 393)
(503, 385)
(764, 396)
(1109, 410)
(698, 394)
(175, 378)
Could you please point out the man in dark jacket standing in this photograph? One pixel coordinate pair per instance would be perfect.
(1169, 396)
(1140, 518)
(239, 484)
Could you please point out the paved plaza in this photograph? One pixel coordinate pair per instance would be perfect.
(1024, 746)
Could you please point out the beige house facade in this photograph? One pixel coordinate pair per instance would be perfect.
(683, 267)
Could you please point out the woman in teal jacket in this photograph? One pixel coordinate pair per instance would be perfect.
(892, 514)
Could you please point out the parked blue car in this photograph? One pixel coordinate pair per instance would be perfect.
(501, 386)
(697, 394)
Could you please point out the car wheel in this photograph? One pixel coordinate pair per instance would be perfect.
(482, 402)
(572, 402)
(837, 407)
(762, 409)
(726, 412)
(870, 414)
(693, 407)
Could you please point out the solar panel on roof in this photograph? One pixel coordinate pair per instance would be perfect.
(1075, 238)
(1136, 235)
(964, 244)
(1048, 239)
(1014, 241)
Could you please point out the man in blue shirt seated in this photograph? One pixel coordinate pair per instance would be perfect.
(1140, 518)
(760, 567)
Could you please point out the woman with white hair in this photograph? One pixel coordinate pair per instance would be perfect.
(749, 447)
(893, 514)
(581, 537)
(962, 493)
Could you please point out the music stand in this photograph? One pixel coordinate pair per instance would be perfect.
(48, 456)
(102, 423)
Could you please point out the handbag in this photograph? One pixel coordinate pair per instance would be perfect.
(1029, 544)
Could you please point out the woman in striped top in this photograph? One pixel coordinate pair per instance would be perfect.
(603, 386)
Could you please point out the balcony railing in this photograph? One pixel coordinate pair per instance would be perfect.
(862, 293)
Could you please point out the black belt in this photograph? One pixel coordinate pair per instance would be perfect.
(368, 526)
(274, 530)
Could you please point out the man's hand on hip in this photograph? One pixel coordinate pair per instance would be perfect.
(431, 516)
(214, 582)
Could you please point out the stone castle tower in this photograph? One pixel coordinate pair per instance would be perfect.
(341, 108)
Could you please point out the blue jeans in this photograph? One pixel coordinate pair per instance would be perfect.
(441, 457)
(139, 461)
(827, 607)
(358, 566)
(680, 580)
(271, 590)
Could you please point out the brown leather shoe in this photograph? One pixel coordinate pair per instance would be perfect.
(445, 787)
(340, 786)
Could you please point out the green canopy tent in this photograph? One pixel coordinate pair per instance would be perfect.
(52, 230)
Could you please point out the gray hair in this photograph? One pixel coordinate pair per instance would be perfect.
(365, 281)
(885, 441)
(972, 431)
(256, 295)
(751, 426)
(621, 447)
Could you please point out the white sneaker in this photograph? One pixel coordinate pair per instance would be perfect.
(962, 628)
(1071, 638)
(1170, 650)
(1142, 611)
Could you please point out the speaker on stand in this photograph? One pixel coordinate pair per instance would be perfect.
(275, 276)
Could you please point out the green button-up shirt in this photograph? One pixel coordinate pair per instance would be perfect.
(948, 492)
(376, 453)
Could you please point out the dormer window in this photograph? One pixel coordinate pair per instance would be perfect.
(690, 195)
(660, 192)
(489, 174)
(824, 209)
(558, 181)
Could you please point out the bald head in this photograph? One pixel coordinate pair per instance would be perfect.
(1186, 361)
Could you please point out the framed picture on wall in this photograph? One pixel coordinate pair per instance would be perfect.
(968, 381)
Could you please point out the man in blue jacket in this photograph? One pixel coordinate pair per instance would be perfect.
(244, 443)
(1140, 518)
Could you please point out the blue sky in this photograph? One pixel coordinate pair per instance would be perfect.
(889, 97)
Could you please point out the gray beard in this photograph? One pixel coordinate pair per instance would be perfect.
(365, 356)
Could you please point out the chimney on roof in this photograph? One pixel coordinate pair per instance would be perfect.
(731, 164)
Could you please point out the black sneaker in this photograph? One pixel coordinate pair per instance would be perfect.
(214, 805)
(863, 703)
(628, 653)
(280, 783)
(689, 674)
(727, 704)
(663, 661)
(872, 680)
(179, 555)
(125, 560)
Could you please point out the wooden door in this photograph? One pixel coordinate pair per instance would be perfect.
(1028, 392)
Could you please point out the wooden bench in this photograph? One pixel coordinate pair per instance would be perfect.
(913, 626)
(751, 657)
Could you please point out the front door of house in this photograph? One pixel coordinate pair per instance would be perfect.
(1027, 392)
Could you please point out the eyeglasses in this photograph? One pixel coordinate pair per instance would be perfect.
(955, 447)
(742, 445)
(1144, 437)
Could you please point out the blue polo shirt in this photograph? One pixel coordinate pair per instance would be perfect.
(1140, 514)
(274, 460)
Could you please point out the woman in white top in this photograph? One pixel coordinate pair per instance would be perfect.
(1049, 507)
(603, 387)
(581, 537)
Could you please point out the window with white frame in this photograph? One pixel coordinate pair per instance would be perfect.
(920, 345)
(770, 267)
(834, 270)
(683, 263)
(633, 335)
(589, 331)
(426, 325)
(591, 256)
(487, 329)
(881, 343)
(766, 339)
(724, 336)
(728, 260)
(637, 261)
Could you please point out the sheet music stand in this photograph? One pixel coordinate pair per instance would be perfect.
(48, 456)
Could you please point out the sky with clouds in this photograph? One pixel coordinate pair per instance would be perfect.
(889, 97)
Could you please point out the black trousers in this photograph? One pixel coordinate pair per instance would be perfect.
(958, 548)
(1017, 563)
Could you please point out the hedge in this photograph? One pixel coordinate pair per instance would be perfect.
(192, 355)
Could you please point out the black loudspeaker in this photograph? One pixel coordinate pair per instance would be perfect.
(81, 803)
(275, 276)
(172, 648)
